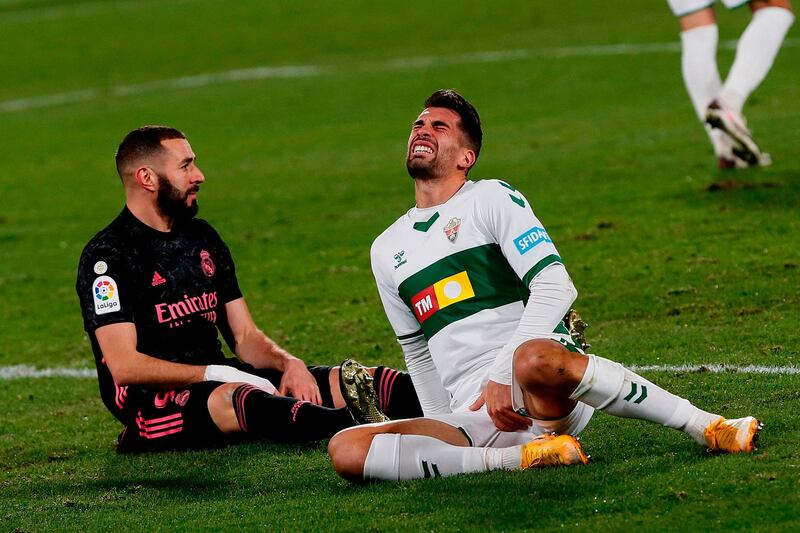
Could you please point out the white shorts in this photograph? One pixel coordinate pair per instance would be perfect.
(685, 7)
(478, 427)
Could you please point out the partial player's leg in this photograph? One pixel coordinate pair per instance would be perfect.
(699, 38)
(756, 50)
(237, 407)
(434, 447)
(755, 53)
(211, 414)
(546, 370)
(240, 407)
(388, 391)
(171, 420)
(378, 444)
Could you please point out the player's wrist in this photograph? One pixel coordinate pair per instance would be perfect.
(291, 362)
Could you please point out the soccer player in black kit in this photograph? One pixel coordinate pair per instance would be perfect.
(155, 287)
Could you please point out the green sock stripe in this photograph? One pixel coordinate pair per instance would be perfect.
(632, 393)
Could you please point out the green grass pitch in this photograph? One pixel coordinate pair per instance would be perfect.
(675, 262)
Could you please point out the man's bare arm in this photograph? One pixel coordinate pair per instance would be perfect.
(131, 367)
(253, 346)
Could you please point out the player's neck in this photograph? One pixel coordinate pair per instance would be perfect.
(151, 216)
(436, 191)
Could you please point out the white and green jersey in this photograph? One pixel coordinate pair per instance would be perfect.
(458, 274)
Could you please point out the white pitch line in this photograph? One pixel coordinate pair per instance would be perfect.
(51, 100)
(719, 369)
(304, 71)
(83, 9)
(29, 371)
(229, 76)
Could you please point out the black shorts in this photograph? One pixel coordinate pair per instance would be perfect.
(178, 419)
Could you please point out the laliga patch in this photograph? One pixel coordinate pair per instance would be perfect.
(106, 295)
(531, 239)
(100, 267)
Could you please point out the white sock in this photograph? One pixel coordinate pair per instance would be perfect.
(720, 141)
(755, 53)
(612, 388)
(699, 66)
(394, 457)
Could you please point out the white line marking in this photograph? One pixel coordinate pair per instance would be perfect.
(48, 101)
(37, 13)
(29, 371)
(203, 80)
(305, 71)
(719, 369)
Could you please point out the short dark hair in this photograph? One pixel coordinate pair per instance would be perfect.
(470, 121)
(143, 142)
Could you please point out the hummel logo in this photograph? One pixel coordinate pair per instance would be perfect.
(157, 280)
(399, 258)
(633, 392)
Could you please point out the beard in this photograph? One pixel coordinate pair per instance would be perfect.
(430, 169)
(421, 170)
(172, 202)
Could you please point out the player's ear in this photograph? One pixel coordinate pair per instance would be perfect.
(146, 178)
(467, 159)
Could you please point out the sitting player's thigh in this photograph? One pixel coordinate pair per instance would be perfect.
(478, 428)
(171, 420)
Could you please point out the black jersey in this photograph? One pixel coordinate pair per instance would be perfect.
(173, 286)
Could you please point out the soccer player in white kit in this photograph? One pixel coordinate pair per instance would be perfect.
(475, 291)
(719, 105)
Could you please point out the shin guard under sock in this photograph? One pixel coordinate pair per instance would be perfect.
(612, 388)
(286, 419)
(394, 457)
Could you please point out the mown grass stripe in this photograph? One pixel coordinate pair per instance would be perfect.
(263, 72)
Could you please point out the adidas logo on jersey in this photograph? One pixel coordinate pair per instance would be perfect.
(157, 279)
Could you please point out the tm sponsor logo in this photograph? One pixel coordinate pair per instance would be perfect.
(530, 239)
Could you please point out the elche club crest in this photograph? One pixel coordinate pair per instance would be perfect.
(207, 264)
(451, 229)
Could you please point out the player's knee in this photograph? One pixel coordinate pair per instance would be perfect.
(348, 450)
(538, 361)
(760, 4)
(220, 407)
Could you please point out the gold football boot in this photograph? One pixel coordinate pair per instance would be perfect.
(733, 436)
(576, 326)
(552, 450)
(355, 383)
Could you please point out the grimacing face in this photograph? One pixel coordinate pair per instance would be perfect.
(435, 144)
(179, 180)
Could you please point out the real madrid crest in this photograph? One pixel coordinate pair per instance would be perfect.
(451, 229)
(207, 264)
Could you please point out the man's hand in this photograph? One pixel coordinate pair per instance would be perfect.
(298, 382)
(497, 398)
